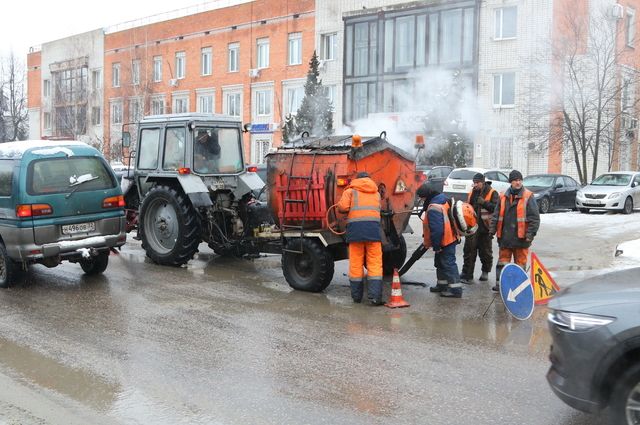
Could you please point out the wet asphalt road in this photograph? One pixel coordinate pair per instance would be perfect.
(226, 341)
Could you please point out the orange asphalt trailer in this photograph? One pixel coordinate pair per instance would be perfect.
(306, 179)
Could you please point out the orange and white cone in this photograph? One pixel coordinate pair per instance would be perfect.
(396, 300)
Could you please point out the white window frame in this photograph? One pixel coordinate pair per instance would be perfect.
(46, 119)
(258, 154)
(46, 89)
(115, 74)
(154, 102)
(96, 79)
(116, 112)
(264, 100)
(135, 72)
(262, 52)
(328, 46)
(206, 101)
(157, 69)
(206, 57)
(295, 48)
(180, 99)
(181, 65)
(498, 29)
(289, 88)
(331, 91)
(630, 27)
(498, 80)
(233, 57)
(226, 95)
(135, 103)
(96, 118)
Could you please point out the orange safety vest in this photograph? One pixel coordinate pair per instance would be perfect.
(449, 235)
(364, 207)
(521, 214)
(485, 215)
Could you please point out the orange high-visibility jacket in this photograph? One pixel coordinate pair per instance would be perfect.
(485, 215)
(362, 200)
(521, 214)
(449, 236)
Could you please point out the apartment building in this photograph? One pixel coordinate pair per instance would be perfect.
(247, 60)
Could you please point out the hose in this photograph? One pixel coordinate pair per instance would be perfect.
(335, 232)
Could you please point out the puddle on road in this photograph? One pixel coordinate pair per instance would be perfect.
(45, 372)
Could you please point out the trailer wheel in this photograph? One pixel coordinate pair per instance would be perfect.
(310, 271)
(394, 259)
(169, 224)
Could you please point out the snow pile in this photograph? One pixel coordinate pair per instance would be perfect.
(604, 225)
(629, 251)
(81, 243)
(85, 252)
(53, 151)
(73, 180)
(17, 149)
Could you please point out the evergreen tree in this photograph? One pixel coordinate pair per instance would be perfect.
(289, 128)
(316, 112)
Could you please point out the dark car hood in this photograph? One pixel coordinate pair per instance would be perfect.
(538, 189)
(620, 287)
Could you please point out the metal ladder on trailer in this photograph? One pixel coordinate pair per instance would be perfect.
(288, 200)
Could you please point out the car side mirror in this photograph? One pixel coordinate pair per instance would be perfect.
(557, 186)
(126, 139)
(634, 184)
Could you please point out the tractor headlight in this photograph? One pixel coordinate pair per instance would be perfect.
(578, 322)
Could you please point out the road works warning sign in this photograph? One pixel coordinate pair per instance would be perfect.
(544, 287)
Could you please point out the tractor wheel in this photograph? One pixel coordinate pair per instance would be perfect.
(310, 271)
(170, 228)
(394, 259)
(95, 265)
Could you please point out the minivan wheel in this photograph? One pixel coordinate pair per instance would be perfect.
(8, 268)
(95, 265)
(625, 398)
(544, 205)
(628, 206)
(170, 228)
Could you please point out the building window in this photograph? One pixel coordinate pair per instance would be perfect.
(205, 103)
(504, 90)
(157, 106)
(135, 72)
(116, 113)
(96, 79)
(180, 104)
(180, 65)
(205, 58)
(260, 149)
(96, 117)
(47, 120)
(263, 53)
(630, 30)
(627, 95)
(157, 68)
(263, 102)
(331, 93)
(46, 88)
(328, 46)
(234, 51)
(506, 23)
(233, 104)
(501, 152)
(295, 48)
(294, 99)
(115, 75)
(135, 110)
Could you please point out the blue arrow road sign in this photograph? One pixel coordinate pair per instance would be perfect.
(516, 291)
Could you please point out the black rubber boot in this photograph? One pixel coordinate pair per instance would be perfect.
(452, 291)
(484, 276)
(441, 285)
(375, 292)
(357, 290)
(496, 288)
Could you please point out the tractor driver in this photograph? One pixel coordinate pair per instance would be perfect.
(206, 151)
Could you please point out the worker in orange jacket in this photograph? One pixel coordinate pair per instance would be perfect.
(515, 222)
(361, 201)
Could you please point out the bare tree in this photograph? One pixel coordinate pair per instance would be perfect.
(584, 96)
(13, 100)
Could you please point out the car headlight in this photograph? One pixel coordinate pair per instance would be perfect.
(579, 194)
(578, 322)
(614, 195)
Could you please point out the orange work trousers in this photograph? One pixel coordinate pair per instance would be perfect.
(519, 255)
(358, 252)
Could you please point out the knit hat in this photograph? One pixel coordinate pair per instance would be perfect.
(515, 175)
(362, 174)
(479, 177)
(426, 192)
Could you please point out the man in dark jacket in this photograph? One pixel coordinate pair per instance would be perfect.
(515, 222)
(483, 198)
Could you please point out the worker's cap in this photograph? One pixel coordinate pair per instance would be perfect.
(426, 192)
(515, 175)
(479, 177)
(362, 174)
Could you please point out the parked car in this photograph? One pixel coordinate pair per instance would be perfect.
(436, 176)
(261, 171)
(460, 182)
(595, 354)
(552, 191)
(616, 191)
(121, 170)
(61, 201)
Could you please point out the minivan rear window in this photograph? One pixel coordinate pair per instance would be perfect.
(63, 175)
(462, 175)
(6, 176)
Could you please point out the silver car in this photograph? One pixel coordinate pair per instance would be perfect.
(616, 191)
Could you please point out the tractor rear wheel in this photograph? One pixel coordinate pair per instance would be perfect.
(394, 259)
(170, 228)
(310, 271)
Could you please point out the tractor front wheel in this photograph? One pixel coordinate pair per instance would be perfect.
(312, 269)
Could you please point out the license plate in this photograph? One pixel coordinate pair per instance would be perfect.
(70, 229)
(459, 186)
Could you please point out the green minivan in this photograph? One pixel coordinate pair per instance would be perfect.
(58, 201)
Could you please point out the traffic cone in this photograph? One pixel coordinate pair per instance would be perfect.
(396, 300)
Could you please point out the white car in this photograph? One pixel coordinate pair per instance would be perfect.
(460, 181)
(618, 191)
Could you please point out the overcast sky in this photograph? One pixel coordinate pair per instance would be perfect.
(29, 23)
